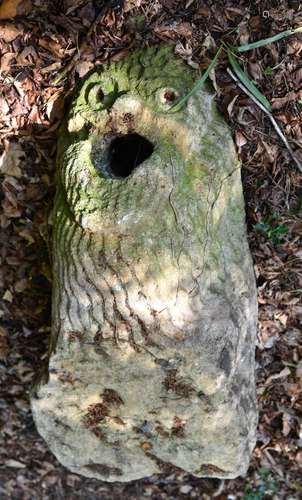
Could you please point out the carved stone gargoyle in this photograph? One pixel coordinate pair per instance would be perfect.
(154, 301)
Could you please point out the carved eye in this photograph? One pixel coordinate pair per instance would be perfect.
(94, 94)
(168, 96)
(99, 94)
(103, 95)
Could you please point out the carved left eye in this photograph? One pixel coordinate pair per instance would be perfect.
(94, 94)
(103, 96)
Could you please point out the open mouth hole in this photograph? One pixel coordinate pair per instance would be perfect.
(127, 152)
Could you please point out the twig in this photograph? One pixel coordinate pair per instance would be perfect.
(272, 119)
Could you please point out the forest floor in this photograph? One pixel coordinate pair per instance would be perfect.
(43, 54)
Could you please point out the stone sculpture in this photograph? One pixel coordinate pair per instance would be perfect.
(154, 301)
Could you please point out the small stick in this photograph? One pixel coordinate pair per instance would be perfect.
(272, 119)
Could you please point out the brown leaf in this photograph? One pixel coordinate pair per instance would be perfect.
(12, 8)
(51, 67)
(55, 108)
(9, 32)
(26, 234)
(279, 102)
(28, 56)
(19, 109)
(4, 107)
(299, 458)
(272, 151)
(75, 4)
(4, 348)
(283, 374)
(34, 115)
(82, 67)
(21, 285)
(240, 139)
(176, 29)
(11, 159)
(7, 296)
(244, 33)
(11, 209)
(255, 70)
(5, 61)
(299, 370)
(131, 4)
(52, 46)
(15, 464)
(184, 29)
(286, 423)
(297, 77)
(231, 105)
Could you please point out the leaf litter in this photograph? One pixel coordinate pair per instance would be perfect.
(43, 53)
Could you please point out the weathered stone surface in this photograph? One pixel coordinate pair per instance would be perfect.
(154, 302)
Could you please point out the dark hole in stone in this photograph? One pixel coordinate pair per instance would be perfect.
(100, 95)
(127, 152)
(169, 95)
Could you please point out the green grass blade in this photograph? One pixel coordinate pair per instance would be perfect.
(180, 103)
(266, 41)
(247, 82)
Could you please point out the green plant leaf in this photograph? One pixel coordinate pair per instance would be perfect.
(180, 103)
(247, 82)
(268, 71)
(266, 41)
(274, 233)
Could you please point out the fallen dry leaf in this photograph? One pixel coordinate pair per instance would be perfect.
(82, 67)
(4, 107)
(11, 159)
(299, 370)
(240, 140)
(15, 464)
(12, 8)
(26, 234)
(131, 4)
(283, 374)
(272, 151)
(286, 423)
(231, 105)
(9, 32)
(52, 46)
(297, 77)
(28, 56)
(51, 67)
(6, 60)
(176, 29)
(55, 107)
(7, 296)
(4, 348)
(279, 102)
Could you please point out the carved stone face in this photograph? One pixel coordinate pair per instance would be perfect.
(129, 141)
(154, 305)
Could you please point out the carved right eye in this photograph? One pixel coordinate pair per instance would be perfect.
(167, 97)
